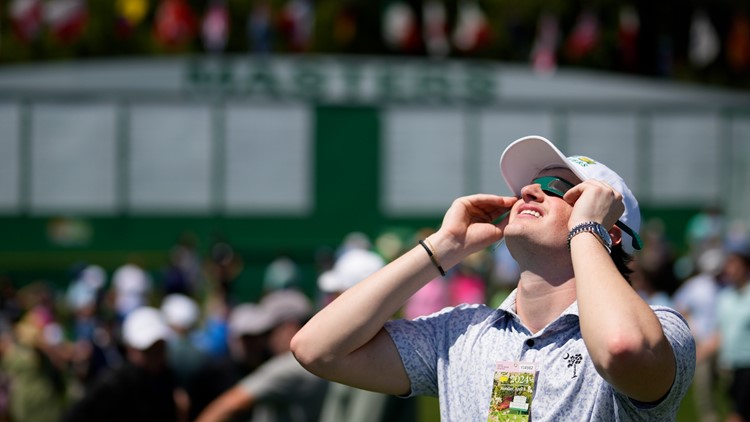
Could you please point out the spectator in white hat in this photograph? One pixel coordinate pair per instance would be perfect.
(131, 286)
(280, 389)
(350, 268)
(143, 389)
(573, 341)
(182, 314)
(248, 328)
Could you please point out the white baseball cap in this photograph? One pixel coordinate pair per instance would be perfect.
(180, 311)
(350, 268)
(286, 305)
(143, 327)
(526, 157)
(249, 319)
(275, 308)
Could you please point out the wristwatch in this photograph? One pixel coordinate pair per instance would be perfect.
(595, 228)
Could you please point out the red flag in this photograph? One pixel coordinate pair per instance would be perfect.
(627, 39)
(66, 18)
(26, 18)
(584, 37)
(297, 19)
(216, 26)
(543, 52)
(472, 30)
(176, 24)
(400, 27)
(738, 44)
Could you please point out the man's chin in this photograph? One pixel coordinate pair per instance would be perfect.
(515, 231)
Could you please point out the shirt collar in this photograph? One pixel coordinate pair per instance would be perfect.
(508, 307)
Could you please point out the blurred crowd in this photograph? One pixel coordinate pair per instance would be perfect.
(126, 345)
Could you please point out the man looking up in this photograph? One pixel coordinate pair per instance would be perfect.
(573, 342)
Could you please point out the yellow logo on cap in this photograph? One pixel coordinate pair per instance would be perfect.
(583, 161)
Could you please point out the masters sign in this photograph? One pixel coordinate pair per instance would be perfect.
(344, 80)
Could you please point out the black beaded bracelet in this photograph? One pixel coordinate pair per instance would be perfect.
(433, 258)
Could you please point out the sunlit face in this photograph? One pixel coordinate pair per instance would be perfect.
(539, 217)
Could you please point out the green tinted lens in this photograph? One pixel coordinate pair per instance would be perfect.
(557, 186)
(553, 185)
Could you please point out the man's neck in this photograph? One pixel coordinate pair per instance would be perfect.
(547, 284)
(540, 300)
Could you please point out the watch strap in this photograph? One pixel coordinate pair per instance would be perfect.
(594, 228)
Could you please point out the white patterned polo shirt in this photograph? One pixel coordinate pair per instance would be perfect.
(452, 354)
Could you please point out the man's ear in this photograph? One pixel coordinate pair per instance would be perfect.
(616, 234)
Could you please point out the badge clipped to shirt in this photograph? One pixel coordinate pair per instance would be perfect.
(512, 390)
